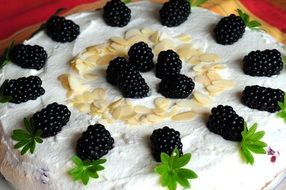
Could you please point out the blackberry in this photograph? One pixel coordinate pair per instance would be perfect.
(94, 143)
(229, 30)
(168, 63)
(28, 56)
(116, 13)
(175, 12)
(62, 30)
(133, 85)
(51, 119)
(141, 56)
(118, 66)
(177, 86)
(225, 122)
(263, 63)
(262, 98)
(22, 89)
(165, 140)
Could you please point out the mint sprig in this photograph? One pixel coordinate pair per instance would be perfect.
(5, 59)
(27, 139)
(254, 25)
(172, 171)
(282, 105)
(284, 59)
(197, 3)
(251, 143)
(84, 170)
(126, 1)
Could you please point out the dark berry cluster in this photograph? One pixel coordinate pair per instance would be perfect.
(51, 119)
(141, 56)
(28, 56)
(176, 86)
(94, 143)
(225, 122)
(165, 140)
(263, 63)
(175, 12)
(229, 30)
(262, 98)
(22, 89)
(116, 13)
(62, 30)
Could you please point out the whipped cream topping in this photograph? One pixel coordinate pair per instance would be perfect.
(130, 163)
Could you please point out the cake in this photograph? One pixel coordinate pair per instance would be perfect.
(130, 164)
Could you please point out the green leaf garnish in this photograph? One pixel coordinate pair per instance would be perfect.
(251, 143)
(4, 60)
(28, 138)
(284, 59)
(172, 172)
(85, 169)
(197, 3)
(126, 1)
(254, 25)
(282, 105)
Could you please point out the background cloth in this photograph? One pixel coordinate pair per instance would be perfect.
(20, 18)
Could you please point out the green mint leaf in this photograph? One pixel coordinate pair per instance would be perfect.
(28, 126)
(5, 99)
(164, 157)
(282, 112)
(21, 144)
(256, 149)
(284, 61)
(182, 161)
(39, 140)
(254, 24)
(251, 131)
(126, 1)
(247, 155)
(32, 147)
(25, 149)
(197, 3)
(85, 169)
(257, 136)
(171, 170)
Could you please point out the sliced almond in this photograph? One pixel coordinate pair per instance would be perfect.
(123, 112)
(89, 76)
(203, 79)
(116, 103)
(214, 90)
(141, 109)
(213, 76)
(184, 116)
(163, 46)
(101, 105)
(119, 41)
(82, 107)
(87, 97)
(209, 57)
(147, 31)
(214, 67)
(138, 38)
(105, 59)
(99, 94)
(76, 85)
(155, 37)
(184, 103)
(162, 102)
(202, 98)
(226, 84)
(154, 118)
(119, 48)
(184, 53)
(131, 33)
(64, 80)
(159, 112)
(200, 67)
(184, 37)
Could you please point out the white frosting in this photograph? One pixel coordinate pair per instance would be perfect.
(130, 163)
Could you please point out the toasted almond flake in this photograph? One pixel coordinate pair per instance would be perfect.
(64, 80)
(93, 58)
(123, 112)
(184, 53)
(105, 59)
(97, 47)
(155, 37)
(116, 103)
(131, 33)
(99, 94)
(101, 105)
(163, 36)
(162, 102)
(89, 76)
(163, 46)
(158, 111)
(226, 84)
(213, 76)
(154, 118)
(82, 107)
(184, 103)
(184, 37)
(118, 47)
(214, 67)
(200, 67)
(143, 120)
(119, 41)
(76, 85)
(209, 57)
(214, 89)
(147, 31)
(184, 116)
(194, 60)
(83, 67)
(203, 79)
(201, 98)
(88, 97)
(141, 109)
(138, 38)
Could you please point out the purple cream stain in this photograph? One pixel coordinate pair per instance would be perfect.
(274, 154)
(44, 175)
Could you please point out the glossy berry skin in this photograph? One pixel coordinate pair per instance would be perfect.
(116, 13)
(229, 30)
(133, 85)
(51, 119)
(94, 143)
(225, 122)
(23, 89)
(262, 98)
(263, 63)
(177, 86)
(117, 67)
(168, 64)
(141, 56)
(165, 140)
(62, 30)
(28, 56)
(175, 12)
